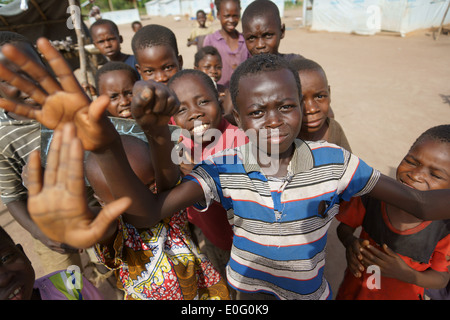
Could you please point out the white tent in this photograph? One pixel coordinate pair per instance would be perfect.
(190, 7)
(372, 16)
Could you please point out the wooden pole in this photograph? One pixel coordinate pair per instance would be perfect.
(442, 22)
(80, 41)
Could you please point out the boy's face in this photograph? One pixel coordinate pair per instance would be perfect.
(262, 35)
(229, 15)
(199, 108)
(16, 273)
(201, 19)
(212, 66)
(118, 86)
(158, 63)
(107, 41)
(426, 166)
(316, 100)
(136, 27)
(269, 103)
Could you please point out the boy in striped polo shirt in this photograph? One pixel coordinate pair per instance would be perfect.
(280, 193)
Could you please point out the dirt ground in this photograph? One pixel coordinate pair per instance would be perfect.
(385, 89)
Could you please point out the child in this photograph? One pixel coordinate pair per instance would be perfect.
(156, 51)
(17, 278)
(169, 267)
(262, 29)
(261, 197)
(208, 60)
(199, 115)
(107, 39)
(318, 122)
(411, 253)
(116, 80)
(198, 33)
(136, 25)
(228, 41)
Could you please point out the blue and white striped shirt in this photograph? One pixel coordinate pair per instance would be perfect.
(279, 235)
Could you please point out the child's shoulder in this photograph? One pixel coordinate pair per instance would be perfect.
(325, 152)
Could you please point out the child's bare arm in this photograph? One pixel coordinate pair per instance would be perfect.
(353, 247)
(152, 106)
(393, 266)
(58, 204)
(425, 205)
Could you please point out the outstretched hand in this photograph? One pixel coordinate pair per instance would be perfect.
(60, 102)
(152, 106)
(354, 256)
(58, 204)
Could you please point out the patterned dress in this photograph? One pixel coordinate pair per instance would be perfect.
(161, 263)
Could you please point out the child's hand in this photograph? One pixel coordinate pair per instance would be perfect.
(58, 205)
(152, 106)
(354, 256)
(60, 102)
(390, 263)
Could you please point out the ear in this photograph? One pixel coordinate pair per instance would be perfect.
(138, 68)
(120, 39)
(180, 61)
(283, 30)
(236, 117)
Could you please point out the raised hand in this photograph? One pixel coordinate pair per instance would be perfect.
(152, 106)
(60, 102)
(58, 204)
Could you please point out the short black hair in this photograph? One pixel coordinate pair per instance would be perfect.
(101, 22)
(12, 37)
(115, 66)
(303, 64)
(258, 64)
(153, 35)
(203, 76)
(204, 51)
(261, 8)
(440, 133)
(200, 11)
(219, 2)
(4, 236)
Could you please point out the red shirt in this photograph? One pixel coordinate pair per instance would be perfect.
(352, 288)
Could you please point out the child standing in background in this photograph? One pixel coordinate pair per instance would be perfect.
(412, 254)
(262, 29)
(318, 122)
(199, 33)
(156, 51)
(228, 41)
(107, 39)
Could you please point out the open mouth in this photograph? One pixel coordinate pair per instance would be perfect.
(200, 129)
(16, 294)
(125, 113)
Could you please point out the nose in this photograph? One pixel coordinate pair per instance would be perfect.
(418, 174)
(125, 100)
(310, 106)
(260, 43)
(273, 119)
(195, 113)
(161, 76)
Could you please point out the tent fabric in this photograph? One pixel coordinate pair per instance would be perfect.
(371, 16)
(42, 18)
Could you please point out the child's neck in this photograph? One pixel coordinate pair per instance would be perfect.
(119, 57)
(400, 219)
(278, 165)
